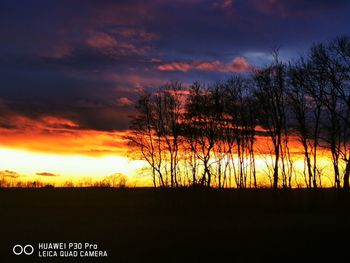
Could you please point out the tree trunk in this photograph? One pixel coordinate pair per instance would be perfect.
(346, 176)
(275, 171)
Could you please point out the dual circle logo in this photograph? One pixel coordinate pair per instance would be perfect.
(19, 250)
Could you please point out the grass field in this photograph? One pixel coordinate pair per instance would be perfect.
(155, 225)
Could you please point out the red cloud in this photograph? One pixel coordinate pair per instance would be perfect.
(46, 123)
(54, 135)
(210, 66)
(124, 102)
(54, 122)
(108, 44)
(237, 65)
(101, 40)
(176, 66)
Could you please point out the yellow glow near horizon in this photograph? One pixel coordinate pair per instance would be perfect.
(77, 168)
(66, 167)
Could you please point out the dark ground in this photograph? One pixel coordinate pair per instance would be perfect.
(154, 225)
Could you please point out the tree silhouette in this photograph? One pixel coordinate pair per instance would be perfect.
(206, 134)
(271, 94)
(202, 120)
(156, 132)
(307, 112)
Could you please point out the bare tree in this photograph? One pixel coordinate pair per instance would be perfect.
(169, 112)
(146, 137)
(326, 67)
(307, 113)
(202, 125)
(206, 135)
(270, 92)
(239, 127)
(340, 79)
(156, 132)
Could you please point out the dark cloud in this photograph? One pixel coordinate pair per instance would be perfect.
(47, 174)
(87, 61)
(104, 115)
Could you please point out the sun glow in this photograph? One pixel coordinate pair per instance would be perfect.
(59, 168)
(69, 161)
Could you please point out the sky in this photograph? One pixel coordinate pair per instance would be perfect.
(71, 70)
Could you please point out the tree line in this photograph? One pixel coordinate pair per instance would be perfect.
(214, 135)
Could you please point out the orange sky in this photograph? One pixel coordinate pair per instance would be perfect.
(56, 150)
(62, 136)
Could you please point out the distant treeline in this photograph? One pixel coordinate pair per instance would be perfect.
(114, 181)
(206, 135)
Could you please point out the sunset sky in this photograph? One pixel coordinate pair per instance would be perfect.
(71, 71)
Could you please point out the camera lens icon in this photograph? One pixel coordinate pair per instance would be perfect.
(19, 250)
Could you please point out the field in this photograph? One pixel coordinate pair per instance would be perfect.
(185, 225)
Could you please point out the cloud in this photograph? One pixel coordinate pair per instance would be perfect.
(58, 123)
(237, 65)
(47, 123)
(109, 45)
(89, 129)
(102, 114)
(71, 142)
(176, 66)
(9, 174)
(133, 84)
(101, 40)
(124, 102)
(120, 38)
(47, 174)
